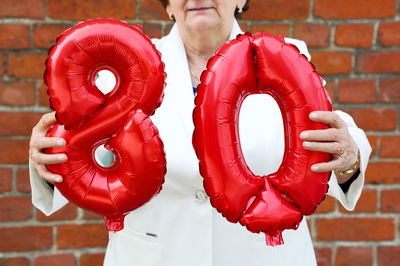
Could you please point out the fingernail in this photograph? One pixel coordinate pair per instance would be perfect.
(58, 179)
(313, 115)
(62, 157)
(314, 168)
(304, 135)
(61, 142)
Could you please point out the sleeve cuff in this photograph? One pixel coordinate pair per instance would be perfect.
(48, 200)
(346, 185)
(50, 185)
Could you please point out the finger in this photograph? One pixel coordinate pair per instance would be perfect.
(331, 147)
(43, 158)
(48, 176)
(329, 134)
(330, 118)
(47, 121)
(326, 167)
(47, 142)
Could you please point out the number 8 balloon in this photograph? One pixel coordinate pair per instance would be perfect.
(119, 120)
(256, 64)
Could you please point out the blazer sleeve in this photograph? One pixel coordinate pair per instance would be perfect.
(44, 197)
(350, 198)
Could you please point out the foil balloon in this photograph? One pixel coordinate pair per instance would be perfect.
(260, 64)
(119, 120)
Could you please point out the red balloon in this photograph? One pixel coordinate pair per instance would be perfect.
(118, 120)
(260, 64)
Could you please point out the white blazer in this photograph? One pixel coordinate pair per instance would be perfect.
(179, 227)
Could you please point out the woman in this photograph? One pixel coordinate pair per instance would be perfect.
(179, 226)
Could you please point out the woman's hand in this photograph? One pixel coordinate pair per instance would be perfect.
(335, 140)
(39, 141)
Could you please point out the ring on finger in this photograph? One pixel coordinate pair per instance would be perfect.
(340, 153)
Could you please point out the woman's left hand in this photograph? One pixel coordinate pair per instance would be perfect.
(335, 140)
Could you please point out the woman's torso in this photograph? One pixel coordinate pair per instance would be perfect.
(179, 227)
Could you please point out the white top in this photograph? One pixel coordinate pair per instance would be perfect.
(188, 231)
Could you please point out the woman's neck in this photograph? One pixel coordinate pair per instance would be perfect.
(200, 46)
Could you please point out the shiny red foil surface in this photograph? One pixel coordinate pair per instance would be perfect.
(120, 119)
(255, 64)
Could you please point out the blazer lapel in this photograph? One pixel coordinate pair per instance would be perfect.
(178, 88)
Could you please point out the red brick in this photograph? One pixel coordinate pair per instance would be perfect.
(57, 259)
(82, 236)
(354, 35)
(168, 27)
(152, 30)
(92, 259)
(1, 64)
(389, 33)
(17, 261)
(44, 35)
(274, 29)
(315, 35)
(23, 183)
(366, 203)
(18, 123)
(243, 26)
(25, 238)
(152, 9)
(26, 65)
(88, 215)
(14, 151)
(17, 93)
(324, 256)
(390, 146)
(69, 212)
(390, 90)
(374, 118)
(355, 229)
(354, 9)
(390, 200)
(354, 256)
(331, 88)
(22, 8)
(5, 179)
(276, 10)
(378, 62)
(309, 224)
(329, 62)
(327, 205)
(15, 209)
(389, 256)
(373, 139)
(383, 173)
(86, 9)
(43, 96)
(357, 91)
(14, 36)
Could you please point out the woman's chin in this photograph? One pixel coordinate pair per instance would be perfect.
(202, 22)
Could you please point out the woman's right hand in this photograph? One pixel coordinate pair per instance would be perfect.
(39, 141)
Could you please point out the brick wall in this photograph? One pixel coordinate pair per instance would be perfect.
(354, 43)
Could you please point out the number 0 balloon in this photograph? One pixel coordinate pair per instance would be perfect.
(257, 64)
(118, 120)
